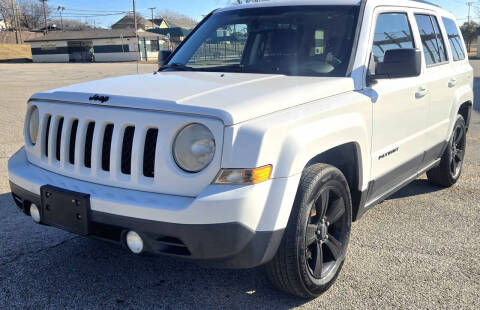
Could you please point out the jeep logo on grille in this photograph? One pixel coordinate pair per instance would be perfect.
(102, 99)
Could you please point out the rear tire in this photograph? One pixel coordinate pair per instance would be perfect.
(450, 168)
(313, 249)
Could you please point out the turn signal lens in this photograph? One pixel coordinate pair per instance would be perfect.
(244, 176)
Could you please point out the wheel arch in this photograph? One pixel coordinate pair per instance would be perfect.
(465, 110)
(348, 159)
(463, 105)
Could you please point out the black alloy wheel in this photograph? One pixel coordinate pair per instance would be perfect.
(326, 234)
(314, 246)
(457, 148)
(448, 172)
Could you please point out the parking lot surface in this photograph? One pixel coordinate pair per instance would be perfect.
(420, 249)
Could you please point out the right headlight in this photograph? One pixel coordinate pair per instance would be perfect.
(194, 148)
(33, 125)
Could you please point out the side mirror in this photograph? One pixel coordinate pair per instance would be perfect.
(163, 57)
(399, 63)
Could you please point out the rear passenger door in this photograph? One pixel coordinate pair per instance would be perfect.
(399, 109)
(440, 79)
(461, 66)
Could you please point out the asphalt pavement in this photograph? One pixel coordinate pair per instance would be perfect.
(420, 249)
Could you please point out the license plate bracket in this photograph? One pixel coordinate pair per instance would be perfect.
(65, 209)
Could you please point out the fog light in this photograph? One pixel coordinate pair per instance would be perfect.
(35, 213)
(134, 242)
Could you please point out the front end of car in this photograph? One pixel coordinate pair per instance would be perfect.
(149, 180)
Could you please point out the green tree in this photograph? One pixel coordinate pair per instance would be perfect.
(470, 32)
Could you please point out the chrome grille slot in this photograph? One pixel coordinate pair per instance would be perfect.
(107, 147)
(149, 153)
(47, 134)
(127, 150)
(59, 138)
(73, 139)
(88, 144)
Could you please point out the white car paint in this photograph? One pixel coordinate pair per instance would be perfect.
(227, 96)
(258, 120)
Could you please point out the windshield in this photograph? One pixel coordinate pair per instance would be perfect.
(293, 40)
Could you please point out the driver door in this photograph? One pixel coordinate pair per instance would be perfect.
(400, 108)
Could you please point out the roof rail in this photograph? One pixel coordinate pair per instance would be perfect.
(428, 2)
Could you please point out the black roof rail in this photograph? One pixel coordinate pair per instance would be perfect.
(428, 2)
(421, 1)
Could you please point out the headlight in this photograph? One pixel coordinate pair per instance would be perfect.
(194, 148)
(33, 124)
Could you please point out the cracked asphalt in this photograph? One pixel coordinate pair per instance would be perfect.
(420, 249)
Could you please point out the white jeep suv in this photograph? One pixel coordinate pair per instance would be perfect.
(262, 137)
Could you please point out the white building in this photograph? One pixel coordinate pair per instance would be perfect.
(97, 45)
(3, 25)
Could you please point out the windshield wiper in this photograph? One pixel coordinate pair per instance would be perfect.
(177, 66)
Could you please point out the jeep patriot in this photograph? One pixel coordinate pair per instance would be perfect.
(260, 139)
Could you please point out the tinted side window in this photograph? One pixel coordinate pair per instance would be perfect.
(442, 49)
(391, 32)
(454, 39)
(433, 46)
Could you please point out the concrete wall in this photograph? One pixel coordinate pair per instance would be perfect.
(114, 57)
(51, 58)
(126, 49)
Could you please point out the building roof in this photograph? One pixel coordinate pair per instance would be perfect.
(158, 22)
(128, 22)
(93, 34)
(176, 22)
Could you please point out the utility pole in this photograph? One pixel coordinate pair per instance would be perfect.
(134, 17)
(153, 25)
(45, 15)
(15, 22)
(18, 25)
(60, 9)
(136, 34)
(470, 4)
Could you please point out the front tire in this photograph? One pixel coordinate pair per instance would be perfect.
(450, 168)
(313, 249)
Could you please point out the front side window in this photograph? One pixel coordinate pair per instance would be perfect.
(293, 40)
(456, 44)
(432, 40)
(391, 32)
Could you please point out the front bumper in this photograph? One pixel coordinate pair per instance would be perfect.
(226, 226)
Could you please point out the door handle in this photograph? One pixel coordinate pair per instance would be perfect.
(422, 92)
(452, 83)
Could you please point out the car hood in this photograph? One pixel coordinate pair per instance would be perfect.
(231, 97)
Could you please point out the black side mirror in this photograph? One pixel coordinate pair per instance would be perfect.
(163, 57)
(399, 63)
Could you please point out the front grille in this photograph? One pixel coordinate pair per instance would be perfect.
(107, 132)
(123, 148)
